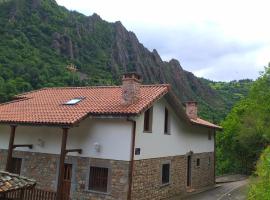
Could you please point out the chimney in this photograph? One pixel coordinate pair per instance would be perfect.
(192, 109)
(130, 88)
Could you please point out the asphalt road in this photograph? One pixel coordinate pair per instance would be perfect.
(227, 191)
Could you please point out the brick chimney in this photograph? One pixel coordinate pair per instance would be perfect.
(192, 109)
(130, 88)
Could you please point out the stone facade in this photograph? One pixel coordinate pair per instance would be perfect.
(44, 169)
(147, 176)
(203, 175)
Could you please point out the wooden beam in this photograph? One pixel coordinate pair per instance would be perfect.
(61, 169)
(10, 148)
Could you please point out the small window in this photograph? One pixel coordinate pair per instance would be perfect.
(166, 122)
(98, 179)
(16, 165)
(74, 101)
(198, 163)
(165, 173)
(148, 116)
(209, 136)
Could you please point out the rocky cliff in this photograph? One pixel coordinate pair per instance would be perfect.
(39, 39)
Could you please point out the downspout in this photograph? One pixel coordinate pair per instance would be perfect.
(131, 166)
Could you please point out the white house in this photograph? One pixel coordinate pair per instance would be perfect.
(113, 142)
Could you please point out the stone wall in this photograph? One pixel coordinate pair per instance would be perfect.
(44, 169)
(203, 175)
(147, 176)
(3, 159)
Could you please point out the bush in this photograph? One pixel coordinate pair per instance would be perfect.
(260, 189)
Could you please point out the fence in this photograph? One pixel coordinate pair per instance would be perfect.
(31, 194)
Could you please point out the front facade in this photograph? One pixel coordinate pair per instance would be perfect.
(149, 149)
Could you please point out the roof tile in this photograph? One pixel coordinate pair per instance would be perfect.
(46, 106)
(9, 182)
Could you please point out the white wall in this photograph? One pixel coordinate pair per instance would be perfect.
(114, 136)
(183, 137)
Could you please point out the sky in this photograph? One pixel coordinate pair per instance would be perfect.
(221, 40)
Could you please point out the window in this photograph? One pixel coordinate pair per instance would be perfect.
(98, 179)
(198, 162)
(74, 101)
(148, 116)
(16, 165)
(166, 122)
(165, 174)
(209, 136)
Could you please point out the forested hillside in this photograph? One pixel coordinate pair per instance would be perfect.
(39, 39)
(246, 130)
(231, 92)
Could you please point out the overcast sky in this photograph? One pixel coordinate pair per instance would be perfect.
(219, 40)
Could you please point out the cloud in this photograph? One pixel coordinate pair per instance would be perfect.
(219, 40)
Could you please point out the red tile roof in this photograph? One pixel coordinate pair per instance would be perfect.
(202, 122)
(46, 106)
(11, 182)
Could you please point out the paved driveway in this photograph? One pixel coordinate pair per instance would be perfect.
(227, 191)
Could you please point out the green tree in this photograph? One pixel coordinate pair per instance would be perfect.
(260, 187)
(246, 130)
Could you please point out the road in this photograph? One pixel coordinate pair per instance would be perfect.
(227, 191)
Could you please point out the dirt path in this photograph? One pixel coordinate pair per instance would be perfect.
(227, 191)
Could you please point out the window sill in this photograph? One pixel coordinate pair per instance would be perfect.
(147, 131)
(165, 185)
(97, 192)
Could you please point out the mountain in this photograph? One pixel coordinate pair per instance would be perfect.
(39, 39)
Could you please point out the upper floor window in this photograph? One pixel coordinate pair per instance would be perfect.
(166, 122)
(148, 118)
(209, 135)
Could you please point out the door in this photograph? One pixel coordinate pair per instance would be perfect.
(67, 181)
(188, 171)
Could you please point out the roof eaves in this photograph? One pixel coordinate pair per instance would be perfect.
(208, 126)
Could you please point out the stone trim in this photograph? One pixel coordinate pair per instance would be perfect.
(102, 164)
(170, 178)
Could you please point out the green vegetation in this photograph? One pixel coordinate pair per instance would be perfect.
(246, 130)
(231, 93)
(36, 47)
(260, 187)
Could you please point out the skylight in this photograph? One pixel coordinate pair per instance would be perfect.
(74, 101)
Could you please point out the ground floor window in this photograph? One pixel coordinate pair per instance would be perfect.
(16, 165)
(165, 179)
(198, 163)
(98, 179)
